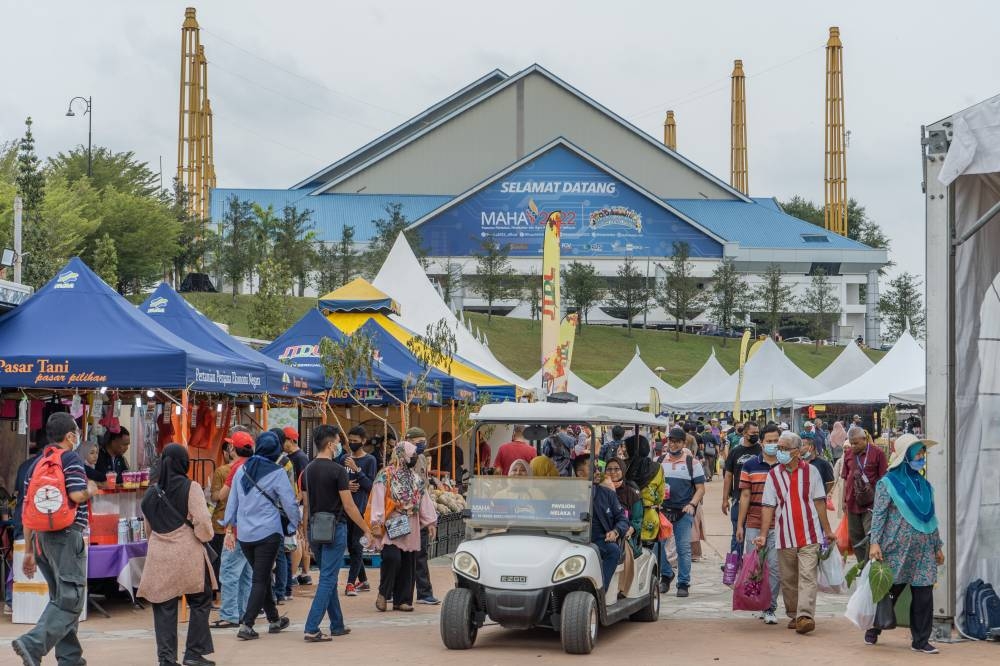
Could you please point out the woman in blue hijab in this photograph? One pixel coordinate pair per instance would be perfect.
(905, 536)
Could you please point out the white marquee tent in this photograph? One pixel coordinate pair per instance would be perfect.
(403, 278)
(770, 381)
(584, 392)
(709, 376)
(899, 370)
(631, 386)
(850, 364)
(914, 396)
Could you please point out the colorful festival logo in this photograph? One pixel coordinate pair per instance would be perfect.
(66, 280)
(616, 216)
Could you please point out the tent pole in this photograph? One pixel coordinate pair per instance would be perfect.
(454, 471)
(185, 418)
(263, 412)
(437, 453)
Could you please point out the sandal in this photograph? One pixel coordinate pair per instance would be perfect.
(318, 637)
(223, 624)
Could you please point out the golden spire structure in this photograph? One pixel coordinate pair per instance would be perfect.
(670, 131)
(195, 166)
(738, 176)
(835, 176)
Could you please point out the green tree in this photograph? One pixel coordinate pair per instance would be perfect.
(681, 296)
(387, 229)
(451, 280)
(39, 263)
(30, 179)
(495, 276)
(120, 171)
(73, 212)
(106, 259)
(270, 310)
(902, 305)
(345, 256)
(294, 241)
(630, 292)
(194, 236)
(582, 288)
(729, 296)
(145, 233)
(262, 233)
(773, 297)
(533, 293)
(235, 252)
(821, 306)
(327, 275)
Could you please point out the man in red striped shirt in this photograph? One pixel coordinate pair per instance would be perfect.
(794, 492)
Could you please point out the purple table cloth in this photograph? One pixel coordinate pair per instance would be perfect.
(108, 561)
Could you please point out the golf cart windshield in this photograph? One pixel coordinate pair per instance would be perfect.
(544, 503)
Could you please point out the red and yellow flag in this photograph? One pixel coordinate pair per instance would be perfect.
(554, 370)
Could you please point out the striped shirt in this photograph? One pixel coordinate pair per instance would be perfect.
(76, 482)
(753, 477)
(793, 498)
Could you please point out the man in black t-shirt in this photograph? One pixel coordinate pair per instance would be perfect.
(747, 449)
(824, 468)
(326, 489)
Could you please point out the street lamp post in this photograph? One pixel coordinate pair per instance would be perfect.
(90, 117)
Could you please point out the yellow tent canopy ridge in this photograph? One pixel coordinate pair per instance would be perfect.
(358, 295)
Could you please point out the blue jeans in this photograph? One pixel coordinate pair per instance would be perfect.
(774, 576)
(281, 574)
(611, 552)
(329, 558)
(234, 574)
(734, 515)
(682, 536)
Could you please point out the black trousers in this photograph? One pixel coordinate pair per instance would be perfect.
(357, 569)
(921, 612)
(422, 573)
(199, 637)
(261, 555)
(396, 579)
(217, 544)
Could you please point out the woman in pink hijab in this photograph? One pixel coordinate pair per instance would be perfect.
(837, 438)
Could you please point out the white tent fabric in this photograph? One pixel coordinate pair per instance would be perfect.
(913, 396)
(901, 369)
(584, 392)
(850, 364)
(521, 311)
(770, 381)
(595, 315)
(709, 376)
(403, 278)
(630, 387)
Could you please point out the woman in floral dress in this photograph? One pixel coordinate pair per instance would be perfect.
(905, 536)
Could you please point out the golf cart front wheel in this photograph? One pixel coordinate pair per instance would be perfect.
(458, 628)
(579, 622)
(651, 611)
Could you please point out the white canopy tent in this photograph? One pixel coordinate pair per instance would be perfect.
(403, 278)
(709, 376)
(631, 386)
(584, 392)
(770, 381)
(913, 396)
(899, 370)
(521, 311)
(850, 364)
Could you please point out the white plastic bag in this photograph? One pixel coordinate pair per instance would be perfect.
(861, 606)
(831, 572)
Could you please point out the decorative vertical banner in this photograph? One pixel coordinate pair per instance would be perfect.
(553, 371)
(654, 401)
(739, 386)
(567, 336)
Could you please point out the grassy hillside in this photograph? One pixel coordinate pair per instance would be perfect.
(601, 351)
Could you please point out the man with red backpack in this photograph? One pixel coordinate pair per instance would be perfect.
(55, 517)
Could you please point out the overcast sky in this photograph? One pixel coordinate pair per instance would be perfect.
(296, 85)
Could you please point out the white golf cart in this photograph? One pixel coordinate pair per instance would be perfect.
(528, 561)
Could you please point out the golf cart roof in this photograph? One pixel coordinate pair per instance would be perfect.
(570, 413)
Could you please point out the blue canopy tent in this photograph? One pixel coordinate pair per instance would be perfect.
(77, 332)
(169, 309)
(299, 347)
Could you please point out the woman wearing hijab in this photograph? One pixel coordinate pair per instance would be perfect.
(519, 467)
(629, 498)
(648, 478)
(176, 562)
(88, 454)
(400, 503)
(905, 536)
(259, 488)
(838, 436)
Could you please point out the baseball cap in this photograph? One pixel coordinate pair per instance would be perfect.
(415, 432)
(291, 433)
(240, 440)
(677, 434)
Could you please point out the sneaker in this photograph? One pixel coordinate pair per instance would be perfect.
(926, 649)
(429, 601)
(682, 590)
(363, 587)
(871, 637)
(8, 609)
(276, 627)
(351, 591)
(197, 660)
(247, 633)
(769, 618)
(665, 582)
(305, 580)
(804, 625)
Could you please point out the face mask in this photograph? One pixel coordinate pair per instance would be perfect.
(421, 447)
(753, 439)
(917, 465)
(676, 453)
(806, 455)
(771, 449)
(337, 450)
(355, 445)
(784, 457)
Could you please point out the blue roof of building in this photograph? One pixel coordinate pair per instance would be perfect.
(331, 212)
(759, 225)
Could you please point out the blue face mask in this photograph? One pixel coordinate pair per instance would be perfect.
(917, 465)
(421, 447)
(784, 457)
(771, 449)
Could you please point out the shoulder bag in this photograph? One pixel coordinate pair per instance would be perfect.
(276, 503)
(209, 551)
(322, 526)
(864, 491)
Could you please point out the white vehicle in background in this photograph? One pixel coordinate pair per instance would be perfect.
(528, 561)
